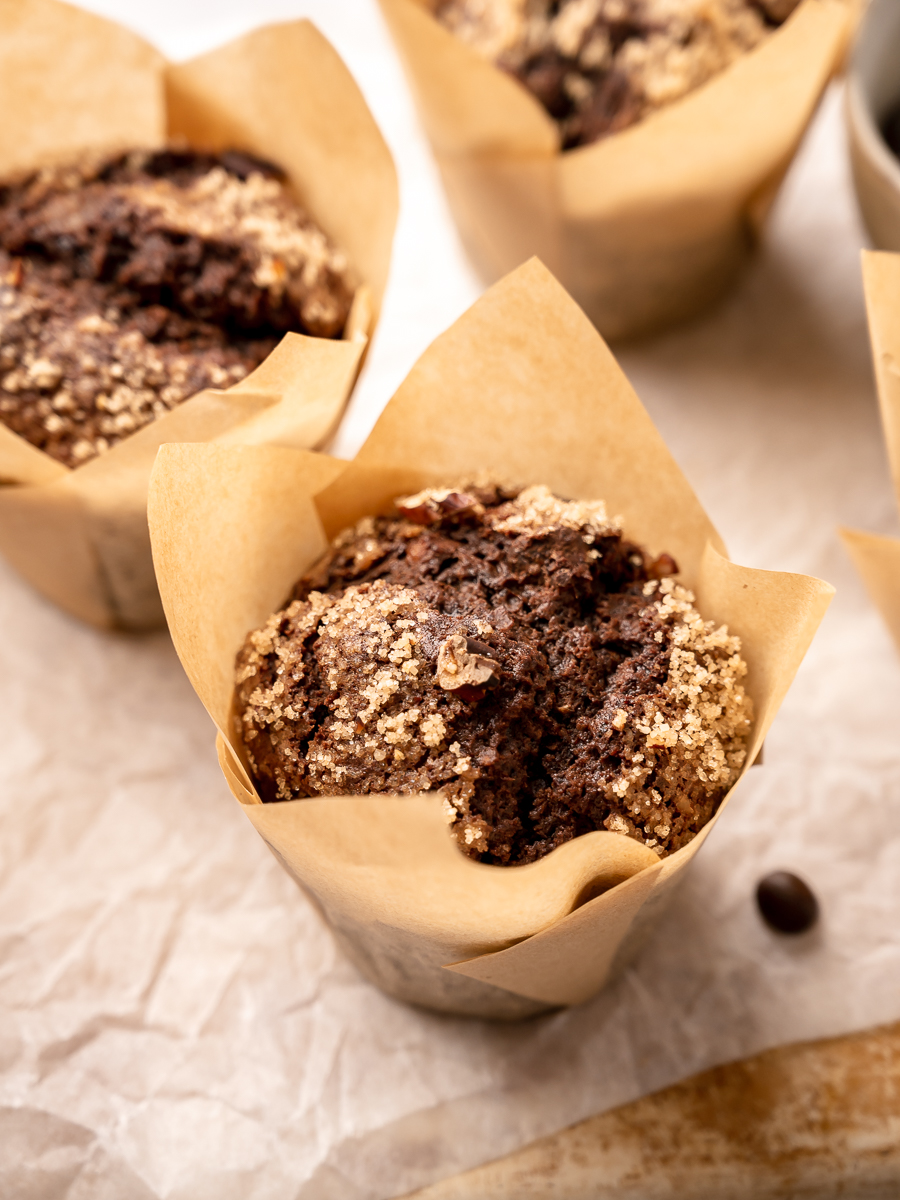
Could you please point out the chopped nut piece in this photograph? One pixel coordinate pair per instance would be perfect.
(460, 665)
(434, 504)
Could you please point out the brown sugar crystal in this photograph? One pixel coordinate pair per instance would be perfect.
(513, 652)
(129, 284)
(598, 66)
(78, 373)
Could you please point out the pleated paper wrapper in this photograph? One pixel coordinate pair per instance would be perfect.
(649, 225)
(877, 558)
(523, 388)
(71, 82)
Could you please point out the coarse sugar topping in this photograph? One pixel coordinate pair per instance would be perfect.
(536, 511)
(255, 211)
(379, 703)
(514, 653)
(710, 710)
(77, 374)
(599, 66)
(128, 284)
(693, 731)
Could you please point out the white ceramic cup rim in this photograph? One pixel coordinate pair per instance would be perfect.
(871, 60)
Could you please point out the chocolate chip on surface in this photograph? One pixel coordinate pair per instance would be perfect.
(787, 904)
(662, 567)
(475, 647)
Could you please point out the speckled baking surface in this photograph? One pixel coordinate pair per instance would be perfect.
(175, 1022)
(800, 1122)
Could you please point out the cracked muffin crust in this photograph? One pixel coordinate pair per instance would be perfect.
(599, 66)
(513, 652)
(128, 284)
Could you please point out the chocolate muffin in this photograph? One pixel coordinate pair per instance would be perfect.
(513, 652)
(128, 284)
(599, 66)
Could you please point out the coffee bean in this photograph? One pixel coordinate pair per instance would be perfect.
(787, 904)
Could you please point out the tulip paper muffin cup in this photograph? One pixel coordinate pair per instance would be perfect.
(878, 558)
(522, 388)
(72, 82)
(649, 225)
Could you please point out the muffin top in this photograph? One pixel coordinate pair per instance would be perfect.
(129, 283)
(599, 66)
(512, 651)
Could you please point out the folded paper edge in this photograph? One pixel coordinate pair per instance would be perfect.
(813, 592)
(502, 968)
(842, 8)
(877, 562)
(364, 311)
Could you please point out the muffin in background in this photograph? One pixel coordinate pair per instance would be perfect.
(128, 284)
(136, 322)
(600, 66)
(636, 155)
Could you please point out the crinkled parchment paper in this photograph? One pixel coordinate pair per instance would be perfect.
(174, 1020)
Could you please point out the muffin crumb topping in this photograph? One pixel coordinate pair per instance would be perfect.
(599, 66)
(512, 652)
(129, 284)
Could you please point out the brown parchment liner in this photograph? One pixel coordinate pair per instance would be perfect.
(523, 387)
(645, 227)
(69, 82)
(878, 558)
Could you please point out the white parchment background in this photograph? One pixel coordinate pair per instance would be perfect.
(174, 1019)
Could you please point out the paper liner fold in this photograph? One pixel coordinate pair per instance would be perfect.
(523, 387)
(70, 82)
(878, 558)
(645, 227)
(284, 91)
